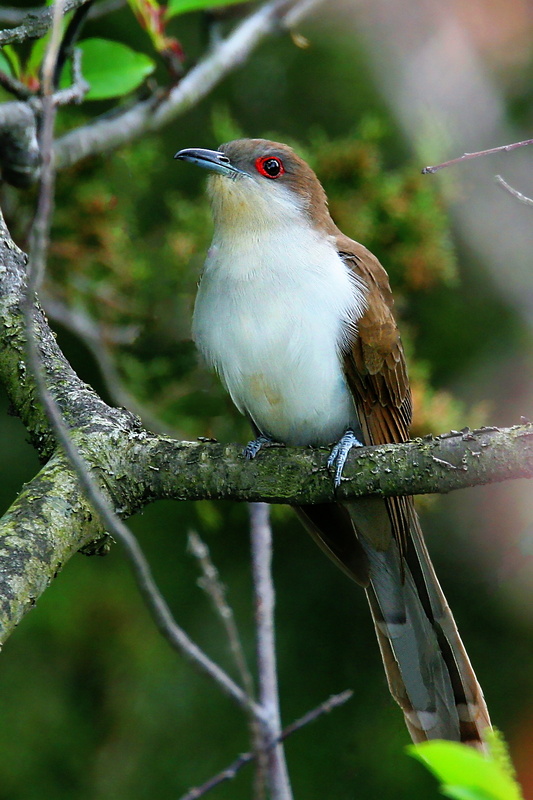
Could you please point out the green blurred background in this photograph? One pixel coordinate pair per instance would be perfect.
(93, 702)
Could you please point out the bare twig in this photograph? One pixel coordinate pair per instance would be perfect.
(70, 37)
(154, 113)
(504, 148)
(39, 235)
(212, 584)
(14, 86)
(519, 196)
(230, 771)
(261, 542)
(216, 590)
(79, 87)
(39, 245)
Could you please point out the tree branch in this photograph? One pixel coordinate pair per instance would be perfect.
(230, 771)
(36, 23)
(503, 148)
(528, 201)
(156, 112)
(277, 775)
(134, 467)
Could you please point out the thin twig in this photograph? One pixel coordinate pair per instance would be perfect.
(519, 196)
(261, 543)
(39, 246)
(40, 230)
(504, 148)
(216, 590)
(230, 771)
(79, 87)
(214, 587)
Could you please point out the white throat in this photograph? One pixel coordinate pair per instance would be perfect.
(275, 307)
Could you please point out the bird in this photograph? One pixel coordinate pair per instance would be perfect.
(297, 320)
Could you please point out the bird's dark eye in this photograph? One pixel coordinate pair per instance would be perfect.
(270, 166)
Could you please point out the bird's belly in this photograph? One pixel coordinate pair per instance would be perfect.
(293, 405)
(278, 355)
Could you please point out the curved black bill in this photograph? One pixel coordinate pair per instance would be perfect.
(209, 159)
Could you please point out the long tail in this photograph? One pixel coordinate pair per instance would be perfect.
(379, 544)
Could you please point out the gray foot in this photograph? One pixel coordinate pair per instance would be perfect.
(339, 454)
(252, 448)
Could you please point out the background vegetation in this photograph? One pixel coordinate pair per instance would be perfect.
(94, 704)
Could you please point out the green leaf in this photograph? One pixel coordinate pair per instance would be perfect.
(465, 793)
(176, 7)
(9, 61)
(111, 68)
(470, 775)
(5, 66)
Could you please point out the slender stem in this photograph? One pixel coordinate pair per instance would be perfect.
(261, 542)
(216, 590)
(229, 772)
(504, 148)
(528, 201)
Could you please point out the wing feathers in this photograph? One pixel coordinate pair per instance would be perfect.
(427, 667)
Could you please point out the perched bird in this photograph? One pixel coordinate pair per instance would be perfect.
(297, 320)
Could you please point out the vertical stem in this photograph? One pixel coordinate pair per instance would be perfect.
(261, 543)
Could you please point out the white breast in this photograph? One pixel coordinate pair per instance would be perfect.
(271, 315)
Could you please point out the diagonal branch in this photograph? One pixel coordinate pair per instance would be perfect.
(230, 771)
(503, 148)
(156, 112)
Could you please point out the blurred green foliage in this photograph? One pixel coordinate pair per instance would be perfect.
(466, 774)
(94, 704)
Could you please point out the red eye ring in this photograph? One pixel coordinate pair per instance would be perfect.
(270, 166)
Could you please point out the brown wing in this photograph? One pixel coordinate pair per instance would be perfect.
(427, 667)
(376, 372)
(375, 363)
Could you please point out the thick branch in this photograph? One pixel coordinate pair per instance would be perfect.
(154, 113)
(19, 149)
(19, 16)
(133, 466)
(49, 521)
(36, 23)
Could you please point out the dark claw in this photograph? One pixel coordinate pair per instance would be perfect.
(252, 448)
(339, 454)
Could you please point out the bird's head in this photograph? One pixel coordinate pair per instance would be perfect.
(259, 183)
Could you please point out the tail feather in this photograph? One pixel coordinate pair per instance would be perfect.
(427, 667)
